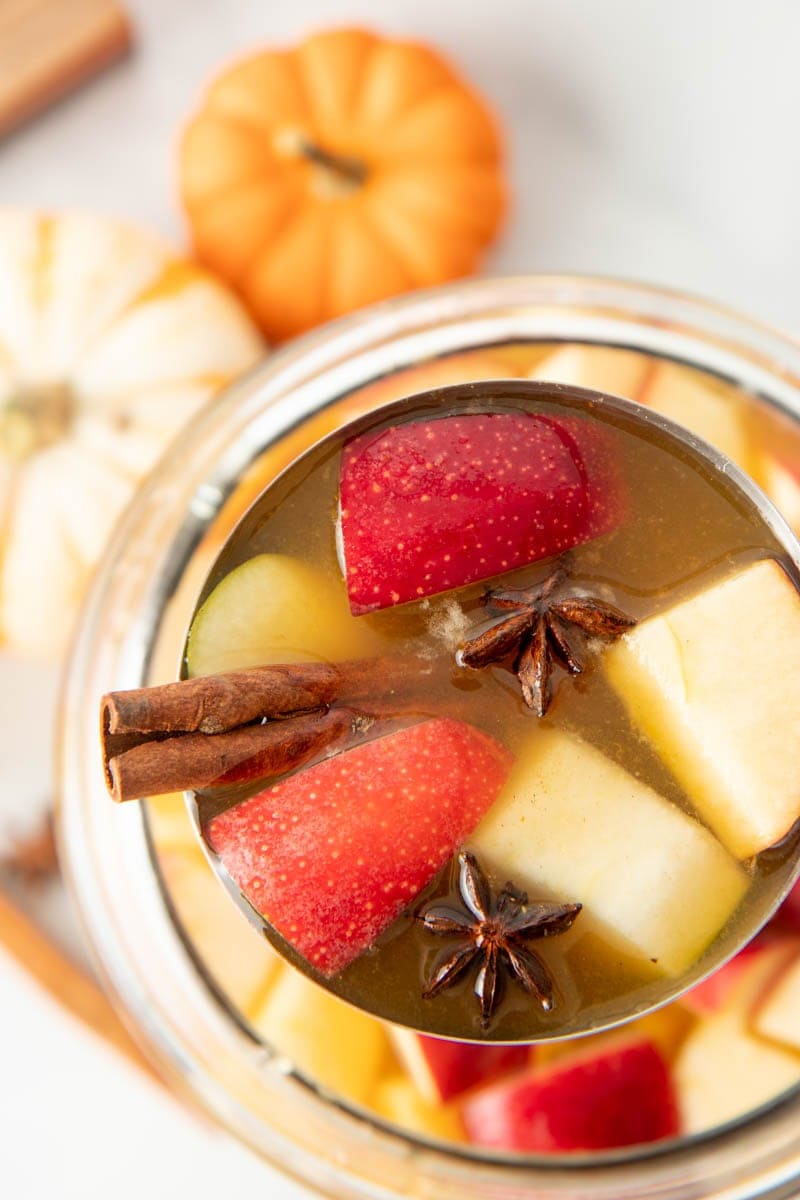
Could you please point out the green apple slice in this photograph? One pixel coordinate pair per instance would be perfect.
(571, 822)
(274, 608)
(714, 683)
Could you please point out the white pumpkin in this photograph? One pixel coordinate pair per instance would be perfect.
(108, 344)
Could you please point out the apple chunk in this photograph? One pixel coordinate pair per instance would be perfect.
(714, 683)
(396, 1099)
(170, 825)
(272, 609)
(778, 1016)
(238, 958)
(697, 403)
(571, 822)
(789, 912)
(442, 1069)
(781, 481)
(618, 1095)
(723, 1070)
(619, 372)
(335, 1045)
(713, 993)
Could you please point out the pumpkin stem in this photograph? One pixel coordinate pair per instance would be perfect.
(34, 418)
(349, 170)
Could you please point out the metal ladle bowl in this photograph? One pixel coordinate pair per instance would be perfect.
(502, 395)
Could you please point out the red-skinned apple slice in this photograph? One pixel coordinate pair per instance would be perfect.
(710, 995)
(789, 911)
(618, 1095)
(433, 505)
(332, 855)
(442, 1069)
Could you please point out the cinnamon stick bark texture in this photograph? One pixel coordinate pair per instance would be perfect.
(216, 703)
(198, 760)
(248, 724)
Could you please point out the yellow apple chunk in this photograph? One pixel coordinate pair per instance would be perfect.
(782, 485)
(274, 608)
(714, 683)
(723, 1070)
(170, 825)
(778, 1017)
(572, 823)
(397, 1100)
(695, 403)
(667, 1029)
(617, 372)
(241, 962)
(334, 1045)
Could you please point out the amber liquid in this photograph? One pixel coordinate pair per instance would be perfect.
(687, 526)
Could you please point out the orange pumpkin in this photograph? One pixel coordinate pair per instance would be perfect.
(343, 171)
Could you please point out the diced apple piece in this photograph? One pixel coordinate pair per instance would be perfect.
(442, 1069)
(170, 826)
(241, 961)
(778, 1016)
(406, 535)
(714, 683)
(274, 608)
(713, 993)
(571, 822)
(618, 372)
(686, 397)
(782, 484)
(667, 1028)
(618, 1095)
(332, 855)
(336, 1046)
(789, 912)
(502, 363)
(397, 1100)
(724, 1070)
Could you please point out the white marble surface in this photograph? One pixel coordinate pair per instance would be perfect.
(646, 140)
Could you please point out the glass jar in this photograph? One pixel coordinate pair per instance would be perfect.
(132, 633)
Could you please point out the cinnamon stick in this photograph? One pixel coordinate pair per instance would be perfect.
(247, 724)
(198, 760)
(216, 703)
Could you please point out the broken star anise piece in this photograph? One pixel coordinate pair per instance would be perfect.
(537, 627)
(33, 859)
(492, 931)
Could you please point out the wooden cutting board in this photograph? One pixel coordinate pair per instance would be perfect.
(48, 47)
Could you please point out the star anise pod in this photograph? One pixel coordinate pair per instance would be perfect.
(492, 931)
(536, 629)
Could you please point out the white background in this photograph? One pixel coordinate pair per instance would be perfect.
(647, 139)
